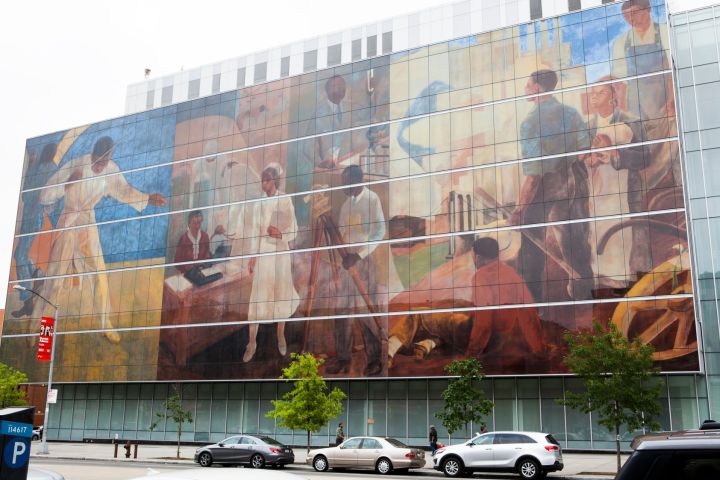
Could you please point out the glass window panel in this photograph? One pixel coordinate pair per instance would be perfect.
(708, 104)
(417, 411)
(130, 421)
(371, 46)
(397, 418)
(267, 425)
(356, 418)
(250, 416)
(704, 45)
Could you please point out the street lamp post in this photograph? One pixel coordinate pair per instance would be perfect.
(43, 445)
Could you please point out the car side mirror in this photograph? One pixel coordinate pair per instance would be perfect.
(470, 444)
(221, 444)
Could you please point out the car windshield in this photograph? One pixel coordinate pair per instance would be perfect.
(270, 441)
(396, 443)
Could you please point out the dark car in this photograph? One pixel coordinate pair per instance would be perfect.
(255, 451)
(685, 457)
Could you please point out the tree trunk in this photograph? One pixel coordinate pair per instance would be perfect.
(178, 445)
(308, 442)
(617, 445)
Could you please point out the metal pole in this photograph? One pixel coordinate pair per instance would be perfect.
(44, 445)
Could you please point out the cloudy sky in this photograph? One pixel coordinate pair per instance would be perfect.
(68, 63)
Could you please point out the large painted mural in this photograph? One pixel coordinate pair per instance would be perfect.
(480, 197)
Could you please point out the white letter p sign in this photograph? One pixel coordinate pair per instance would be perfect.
(18, 450)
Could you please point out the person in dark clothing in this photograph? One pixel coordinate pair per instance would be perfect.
(432, 436)
(339, 434)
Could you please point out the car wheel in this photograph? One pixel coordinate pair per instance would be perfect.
(257, 461)
(529, 469)
(35, 437)
(320, 464)
(453, 467)
(383, 466)
(205, 459)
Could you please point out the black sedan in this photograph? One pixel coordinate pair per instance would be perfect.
(248, 450)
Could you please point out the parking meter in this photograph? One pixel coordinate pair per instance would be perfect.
(16, 425)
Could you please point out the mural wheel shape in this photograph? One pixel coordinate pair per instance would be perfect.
(666, 324)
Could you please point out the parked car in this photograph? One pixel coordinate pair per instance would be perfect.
(255, 451)
(710, 425)
(375, 453)
(219, 474)
(690, 457)
(692, 433)
(37, 433)
(530, 454)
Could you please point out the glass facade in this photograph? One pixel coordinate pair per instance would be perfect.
(697, 40)
(401, 408)
(478, 197)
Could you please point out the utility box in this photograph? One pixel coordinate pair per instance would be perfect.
(16, 425)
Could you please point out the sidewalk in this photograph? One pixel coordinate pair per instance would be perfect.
(578, 466)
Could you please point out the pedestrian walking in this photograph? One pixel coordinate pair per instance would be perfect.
(432, 436)
(483, 429)
(339, 434)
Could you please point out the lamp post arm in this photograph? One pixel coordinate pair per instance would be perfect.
(46, 300)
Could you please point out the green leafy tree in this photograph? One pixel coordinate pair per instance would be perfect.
(10, 393)
(308, 406)
(173, 410)
(465, 401)
(618, 377)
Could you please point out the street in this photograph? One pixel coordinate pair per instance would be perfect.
(109, 470)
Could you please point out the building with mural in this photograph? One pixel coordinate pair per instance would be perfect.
(471, 181)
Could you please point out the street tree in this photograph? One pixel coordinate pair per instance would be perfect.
(173, 410)
(465, 401)
(308, 406)
(10, 393)
(618, 378)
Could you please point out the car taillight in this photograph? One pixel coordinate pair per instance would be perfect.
(552, 448)
(409, 455)
(277, 450)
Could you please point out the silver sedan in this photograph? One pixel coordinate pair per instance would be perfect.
(375, 453)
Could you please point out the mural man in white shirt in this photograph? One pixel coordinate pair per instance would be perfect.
(83, 183)
(361, 221)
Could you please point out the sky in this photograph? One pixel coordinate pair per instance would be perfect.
(68, 63)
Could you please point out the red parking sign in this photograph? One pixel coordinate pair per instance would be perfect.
(47, 329)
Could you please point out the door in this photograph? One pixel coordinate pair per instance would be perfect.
(224, 451)
(508, 448)
(244, 449)
(346, 454)
(369, 452)
(479, 452)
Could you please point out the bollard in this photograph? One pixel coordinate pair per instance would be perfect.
(127, 449)
(116, 447)
(135, 451)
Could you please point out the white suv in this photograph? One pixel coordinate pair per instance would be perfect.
(531, 454)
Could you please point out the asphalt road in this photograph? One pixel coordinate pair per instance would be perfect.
(107, 470)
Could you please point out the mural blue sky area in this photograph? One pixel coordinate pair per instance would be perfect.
(141, 143)
(591, 35)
